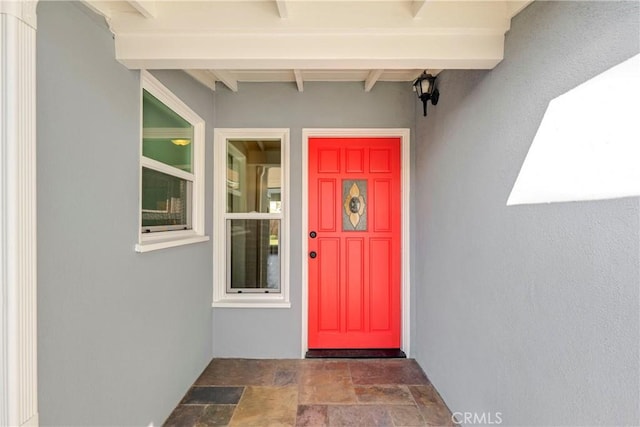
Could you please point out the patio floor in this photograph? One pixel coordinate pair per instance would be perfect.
(316, 392)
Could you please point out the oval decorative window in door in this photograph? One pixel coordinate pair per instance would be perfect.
(354, 215)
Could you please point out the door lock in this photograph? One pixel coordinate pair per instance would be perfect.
(313, 254)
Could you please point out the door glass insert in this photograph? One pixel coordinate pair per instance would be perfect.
(354, 212)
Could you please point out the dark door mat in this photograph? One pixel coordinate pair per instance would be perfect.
(356, 353)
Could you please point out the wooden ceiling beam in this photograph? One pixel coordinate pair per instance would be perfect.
(299, 80)
(100, 7)
(309, 52)
(282, 9)
(204, 77)
(417, 7)
(371, 80)
(242, 35)
(227, 78)
(146, 8)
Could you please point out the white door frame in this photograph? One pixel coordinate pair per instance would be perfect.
(405, 269)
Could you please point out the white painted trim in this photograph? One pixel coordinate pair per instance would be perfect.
(406, 241)
(34, 421)
(251, 303)
(304, 322)
(249, 300)
(23, 10)
(146, 8)
(100, 7)
(165, 95)
(166, 169)
(317, 35)
(167, 133)
(404, 135)
(227, 78)
(149, 246)
(514, 7)
(417, 6)
(305, 51)
(371, 80)
(252, 215)
(299, 80)
(150, 241)
(18, 240)
(282, 9)
(204, 77)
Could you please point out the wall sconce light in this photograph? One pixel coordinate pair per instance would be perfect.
(181, 142)
(426, 90)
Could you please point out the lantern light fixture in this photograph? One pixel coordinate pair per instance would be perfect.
(426, 90)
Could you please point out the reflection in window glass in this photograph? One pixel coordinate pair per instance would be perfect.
(165, 201)
(254, 261)
(254, 176)
(166, 137)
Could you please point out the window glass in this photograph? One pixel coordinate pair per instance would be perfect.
(171, 184)
(254, 261)
(166, 137)
(254, 176)
(165, 201)
(251, 181)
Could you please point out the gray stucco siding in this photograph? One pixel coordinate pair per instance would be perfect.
(121, 335)
(531, 311)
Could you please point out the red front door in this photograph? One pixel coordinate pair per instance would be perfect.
(354, 242)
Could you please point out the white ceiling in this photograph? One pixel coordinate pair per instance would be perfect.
(301, 41)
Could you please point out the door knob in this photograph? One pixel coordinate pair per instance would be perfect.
(313, 254)
(313, 234)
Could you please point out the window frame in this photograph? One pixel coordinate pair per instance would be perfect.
(161, 239)
(222, 298)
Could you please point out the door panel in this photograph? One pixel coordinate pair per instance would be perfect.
(327, 191)
(328, 160)
(329, 295)
(355, 283)
(355, 160)
(354, 207)
(380, 277)
(381, 204)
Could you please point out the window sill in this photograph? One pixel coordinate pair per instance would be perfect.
(250, 303)
(169, 243)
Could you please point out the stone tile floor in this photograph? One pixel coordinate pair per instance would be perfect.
(325, 392)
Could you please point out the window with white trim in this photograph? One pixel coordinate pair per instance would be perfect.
(171, 170)
(251, 187)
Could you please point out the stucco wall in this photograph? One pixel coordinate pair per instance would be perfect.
(277, 332)
(121, 335)
(531, 311)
